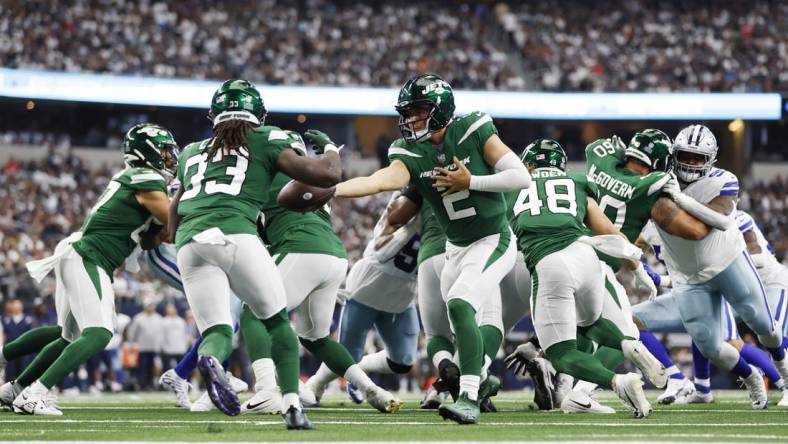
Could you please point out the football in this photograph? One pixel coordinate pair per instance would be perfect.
(304, 198)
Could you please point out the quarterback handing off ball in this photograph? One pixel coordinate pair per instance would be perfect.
(303, 198)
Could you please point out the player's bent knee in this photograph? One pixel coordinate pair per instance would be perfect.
(398, 368)
(557, 351)
(736, 343)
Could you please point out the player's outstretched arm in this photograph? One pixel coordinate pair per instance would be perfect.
(393, 177)
(324, 172)
(668, 216)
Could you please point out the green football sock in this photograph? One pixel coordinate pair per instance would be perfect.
(256, 337)
(332, 353)
(470, 345)
(284, 351)
(92, 341)
(609, 357)
(439, 343)
(31, 342)
(42, 362)
(566, 358)
(217, 341)
(492, 338)
(604, 332)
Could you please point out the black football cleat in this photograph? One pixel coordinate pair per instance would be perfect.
(296, 419)
(218, 386)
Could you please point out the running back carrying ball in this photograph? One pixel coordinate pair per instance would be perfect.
(301, 197)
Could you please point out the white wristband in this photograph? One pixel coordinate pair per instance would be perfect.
(332, 147)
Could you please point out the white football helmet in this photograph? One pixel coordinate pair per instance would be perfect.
(696, 139)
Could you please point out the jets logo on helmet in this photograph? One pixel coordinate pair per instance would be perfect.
(428, 92)
(699, 141)
(151, 145)
(653, 148)
(237, 100)
(544, 153)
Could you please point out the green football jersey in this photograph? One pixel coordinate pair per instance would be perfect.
(112, 228)
(550, 214)
(293, 232)
(625, 197)
(228, 191)
(468, 215)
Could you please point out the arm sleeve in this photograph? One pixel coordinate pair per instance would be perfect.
(703, 213)
(511, 176)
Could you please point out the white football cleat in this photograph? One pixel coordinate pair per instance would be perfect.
(264, 402)
(695, 397)
(35, 400)
(784, 401)
(238, 385)
(652, 369)
(629, 388)
(174, 383)
(577, 401)
(677, 388)
(310, 393)
(755, 387)
(382, 400)
(202, 404)
(8, 392)
(563, 385)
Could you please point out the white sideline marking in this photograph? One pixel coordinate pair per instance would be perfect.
(632, 423)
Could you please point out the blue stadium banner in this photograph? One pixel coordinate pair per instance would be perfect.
(127, 90)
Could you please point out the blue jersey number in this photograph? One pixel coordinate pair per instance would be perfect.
(405, 260)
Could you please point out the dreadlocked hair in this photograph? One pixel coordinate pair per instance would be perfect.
(230, 136)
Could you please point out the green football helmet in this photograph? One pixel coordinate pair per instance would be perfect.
(425, 91)
(152, 145)
(544, 153)
(237, 100)
(652, 147)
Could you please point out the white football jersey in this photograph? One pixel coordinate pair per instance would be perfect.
(773, 273)
(695, 262)
(403, 264)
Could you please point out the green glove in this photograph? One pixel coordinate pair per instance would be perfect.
(319, 140)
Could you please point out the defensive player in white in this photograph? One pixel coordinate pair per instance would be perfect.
(717, 267)
(662, 315)
(381, 288)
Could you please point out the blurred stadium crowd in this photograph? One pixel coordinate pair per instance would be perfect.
(638, 45)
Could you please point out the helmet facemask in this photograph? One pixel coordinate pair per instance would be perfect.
(407, 124)
(690, 172)
(699, 141)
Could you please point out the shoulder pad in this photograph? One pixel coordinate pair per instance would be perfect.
(656, 181)
(401, 147)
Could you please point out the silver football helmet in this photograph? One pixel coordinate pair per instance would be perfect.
(695, 139)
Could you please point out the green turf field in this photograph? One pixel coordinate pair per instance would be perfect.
(151, 417)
